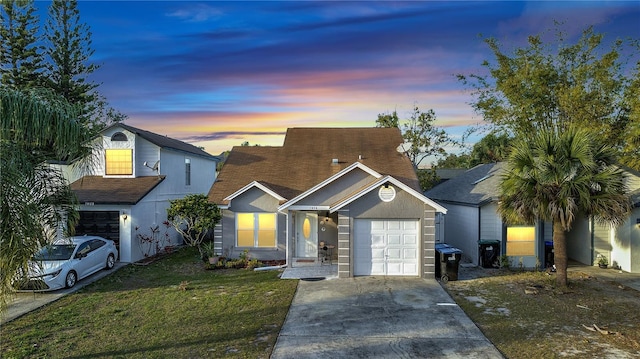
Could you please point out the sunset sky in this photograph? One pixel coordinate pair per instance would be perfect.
(217, 74)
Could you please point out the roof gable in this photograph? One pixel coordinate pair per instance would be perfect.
(165, 142)
(323, 184)
(257, 185)
(382, 181)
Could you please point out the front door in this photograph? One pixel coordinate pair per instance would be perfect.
(306, 234)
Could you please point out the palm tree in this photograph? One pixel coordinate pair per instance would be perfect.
(35, 127)
(557, 175)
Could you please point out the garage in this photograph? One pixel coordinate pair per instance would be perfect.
(100, 223)
(386, 247)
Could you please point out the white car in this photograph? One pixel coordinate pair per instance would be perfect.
(66, 261)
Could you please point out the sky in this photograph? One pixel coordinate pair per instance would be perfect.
(217, 74)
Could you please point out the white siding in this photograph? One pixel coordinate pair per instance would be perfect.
(491, 224)
(461, 230)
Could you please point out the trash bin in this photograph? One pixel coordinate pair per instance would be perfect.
(489, 250)
(548, 254)
(447, 262)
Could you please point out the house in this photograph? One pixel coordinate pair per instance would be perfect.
(125, 192)
(472, 223)
(588, 239)
(344, 193)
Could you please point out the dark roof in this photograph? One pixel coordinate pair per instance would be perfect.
(165, 142)
(474, 187)
(100, 190)
(448, 173)
(305, 160)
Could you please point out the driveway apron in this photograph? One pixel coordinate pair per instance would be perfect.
(378, 317)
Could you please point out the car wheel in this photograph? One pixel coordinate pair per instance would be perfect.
(445, 279)
(111, 261)
(71, 279)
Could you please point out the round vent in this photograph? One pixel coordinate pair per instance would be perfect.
(387, 193)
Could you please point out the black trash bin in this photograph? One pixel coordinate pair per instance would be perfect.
(489, 250)
(548, 254)
(447, 262)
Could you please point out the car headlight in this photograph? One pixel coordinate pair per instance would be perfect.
(55, 274)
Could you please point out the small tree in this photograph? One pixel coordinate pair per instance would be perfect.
(193, 217)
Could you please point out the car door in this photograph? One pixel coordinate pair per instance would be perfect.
(82, 263)
(95, 258)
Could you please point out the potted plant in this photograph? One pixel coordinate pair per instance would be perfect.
(602, 261)
(207, 251)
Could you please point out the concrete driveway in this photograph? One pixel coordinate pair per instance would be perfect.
(25, 302)
(378, 317)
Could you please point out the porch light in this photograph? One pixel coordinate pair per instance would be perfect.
(124, 216)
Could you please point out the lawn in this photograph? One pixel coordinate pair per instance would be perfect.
(170, 308)
(526, 316)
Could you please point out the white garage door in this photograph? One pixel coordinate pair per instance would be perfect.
(386, 247)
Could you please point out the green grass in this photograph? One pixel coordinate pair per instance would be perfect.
(170, 308)
(549, 324)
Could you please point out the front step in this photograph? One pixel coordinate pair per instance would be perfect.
(305, 262)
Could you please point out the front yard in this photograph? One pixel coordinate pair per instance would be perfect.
(526, 316)
(170, 308)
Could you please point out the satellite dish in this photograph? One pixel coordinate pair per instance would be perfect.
(155, 165)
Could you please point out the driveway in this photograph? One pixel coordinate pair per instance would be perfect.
(25, 302)
(378, 317)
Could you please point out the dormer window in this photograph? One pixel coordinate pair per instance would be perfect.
(119, 136)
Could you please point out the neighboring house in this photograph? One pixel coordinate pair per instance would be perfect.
(472, 202)
(348, 189)
(133, 175)
(588, 239)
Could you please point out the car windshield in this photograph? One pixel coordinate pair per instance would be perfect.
(55, 252)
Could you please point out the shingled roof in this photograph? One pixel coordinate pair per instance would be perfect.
(165, 142)
(474, 187)
(100, 190)
(306, 159)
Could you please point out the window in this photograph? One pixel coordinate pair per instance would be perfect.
(119, 162)
(256, 230)
(187, 170)
(119, 136)
(521, 241)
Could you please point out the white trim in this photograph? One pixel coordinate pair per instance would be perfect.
(329, 180)
(258, 185)
(395, 182)
(309, 208)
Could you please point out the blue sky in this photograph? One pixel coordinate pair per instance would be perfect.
(216, 74)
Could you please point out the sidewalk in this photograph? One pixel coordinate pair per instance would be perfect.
(25, 302)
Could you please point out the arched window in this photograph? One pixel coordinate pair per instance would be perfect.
(119, 136)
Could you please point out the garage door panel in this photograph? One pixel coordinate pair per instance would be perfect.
(394, 239)
(410, 239)
(410, 253)
(377, 240)
(394, 253)
(394, 225)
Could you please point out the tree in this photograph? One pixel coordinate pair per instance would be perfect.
(388, 120)
(193, 217)
(35, 200)
(492, 148)
(422, 138)
(21, 60)
(68, 65)
(558, 174)
(546, 86)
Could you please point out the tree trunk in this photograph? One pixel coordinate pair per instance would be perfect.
(560, 253)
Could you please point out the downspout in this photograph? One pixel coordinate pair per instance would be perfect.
(593, 240)
(479, 231)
